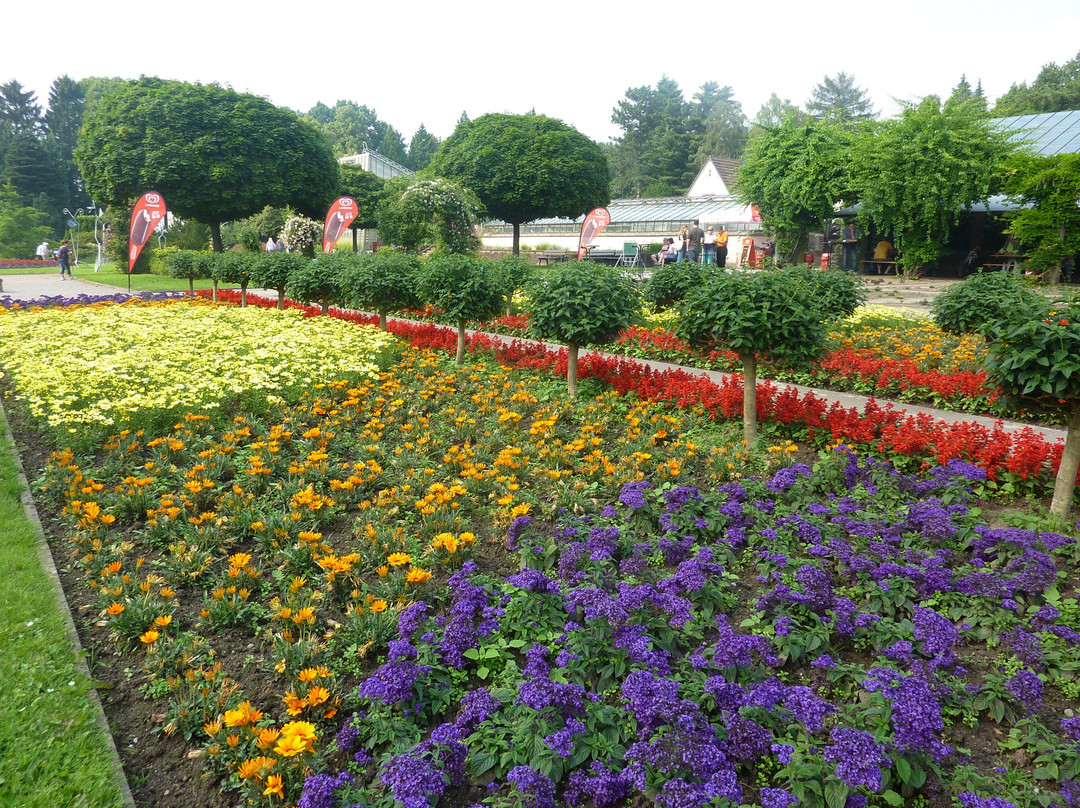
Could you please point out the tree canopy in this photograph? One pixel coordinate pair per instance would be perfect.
(796, 173)
(1047, 223)
(215, 154)
(838, 100)
(666, 139)
(914, 174)
(525, 167)
(1056, 88)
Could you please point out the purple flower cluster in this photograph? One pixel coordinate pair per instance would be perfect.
(732, 648)
(535, 581)
(632, 494)
(858, 756)
(777, 798)
(787, 477)
(320, 790)
(916, 713)
(970, 800)
(536, 789)
(600, 786)
(1027, 689)
(539, 693)
(470, 617)
(411, 618)
(393, 682)
(425, 772)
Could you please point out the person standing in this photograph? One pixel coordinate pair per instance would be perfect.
(270, 245)
(850, 254)
(693, 242)
(709, 244)
(63, 257)
(684, 243)
(42, 251)
(721, 248)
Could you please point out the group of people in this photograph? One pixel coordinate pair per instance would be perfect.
(63, 257)
(694, 244)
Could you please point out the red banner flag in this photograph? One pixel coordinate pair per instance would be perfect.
(340, 216)
(148, 213)
(594, 223)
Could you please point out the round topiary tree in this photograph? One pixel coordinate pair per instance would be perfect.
(834, 293)
(980, 301)
(186, 264)
(272, 271)
(670, 283)
(319, 281)
(581, 303)
(753, 314)
(463, 287)
(1034, 353)
(383, 282)
(234, 266)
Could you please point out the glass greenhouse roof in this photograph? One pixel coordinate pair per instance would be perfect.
(1048, 132)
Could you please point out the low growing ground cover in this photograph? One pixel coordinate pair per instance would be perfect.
(451, 585)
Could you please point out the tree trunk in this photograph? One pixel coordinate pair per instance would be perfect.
(191, 287)
(749, 398)
(215, 237)
(460, 344)
(571, 370)
(382, 320)
(281, 297)
(517, 238)
(243, 294)
(1065, 483)
(215, 290)
(325, 306)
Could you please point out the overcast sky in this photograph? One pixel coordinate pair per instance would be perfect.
(427, 62)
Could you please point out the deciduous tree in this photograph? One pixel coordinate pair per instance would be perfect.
(525, 167)
(1047, 218)
(215, 154)
(914, 174)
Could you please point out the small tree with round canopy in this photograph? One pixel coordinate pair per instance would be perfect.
(272, 271)
(382, 282)
(581, 303)
(463, 287)
(753, 314)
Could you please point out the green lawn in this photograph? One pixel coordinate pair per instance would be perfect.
(51, 750)
(109, 275)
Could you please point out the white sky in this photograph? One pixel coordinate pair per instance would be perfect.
(426, 62)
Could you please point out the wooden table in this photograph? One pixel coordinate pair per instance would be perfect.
(879, 264)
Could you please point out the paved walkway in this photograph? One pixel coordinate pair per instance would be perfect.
(30, 287)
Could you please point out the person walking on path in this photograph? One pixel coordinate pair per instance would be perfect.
(42, 251)
(694, 239)
(63, 257)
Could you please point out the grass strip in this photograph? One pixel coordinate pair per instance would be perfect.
(52, 751)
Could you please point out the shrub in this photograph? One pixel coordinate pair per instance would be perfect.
(234, 266)
(319, 281)
(581, 303)
(981, 301)
(514, 272)
(670, 283)
(463, 288)
(382, 282)
(834, 293)
(272, 271)
(189, 265)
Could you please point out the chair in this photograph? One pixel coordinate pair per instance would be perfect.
(630, 256)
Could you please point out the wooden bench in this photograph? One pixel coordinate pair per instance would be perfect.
(548, 257)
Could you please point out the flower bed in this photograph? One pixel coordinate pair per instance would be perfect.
(26, 263)
(455, 587)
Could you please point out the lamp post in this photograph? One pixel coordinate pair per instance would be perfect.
(74, 222)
